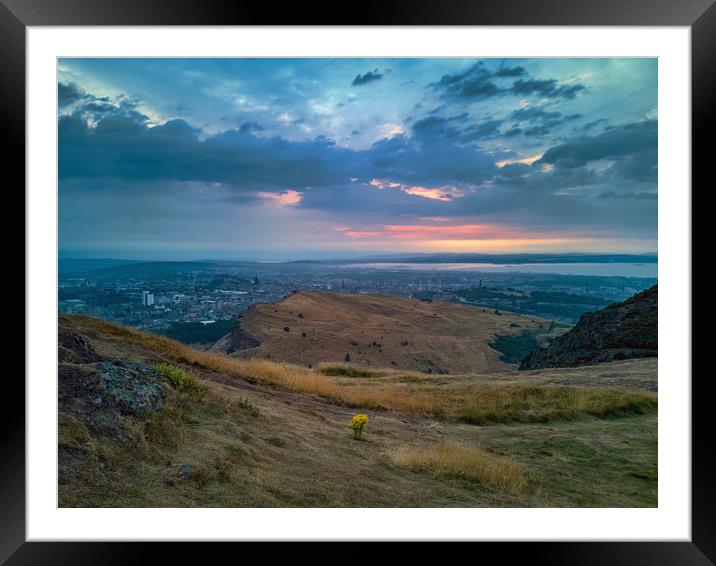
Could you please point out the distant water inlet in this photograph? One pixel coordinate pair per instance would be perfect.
(593, 269)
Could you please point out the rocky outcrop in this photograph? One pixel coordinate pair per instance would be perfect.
(98, 391)
(618, 332)
(132, 389)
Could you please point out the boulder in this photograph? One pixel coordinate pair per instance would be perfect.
(131, 388)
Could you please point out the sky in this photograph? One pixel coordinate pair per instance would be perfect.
(317, 158)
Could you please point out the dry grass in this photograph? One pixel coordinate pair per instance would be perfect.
(477, 403)
(380, 332)
(448, 459)
(348, 370)
(259, 445)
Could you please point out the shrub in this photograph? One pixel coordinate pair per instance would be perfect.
(179, 378)
(358, 423)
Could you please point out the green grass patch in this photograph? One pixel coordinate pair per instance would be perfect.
(179, 378)
(536, 404)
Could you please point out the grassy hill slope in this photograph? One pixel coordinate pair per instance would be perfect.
(378, 331)
(146, 421)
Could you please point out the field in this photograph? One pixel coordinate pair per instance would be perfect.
(383, 332)
(257, 433)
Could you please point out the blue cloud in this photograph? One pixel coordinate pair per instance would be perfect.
(370, 76)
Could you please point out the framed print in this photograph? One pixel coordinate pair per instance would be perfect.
(392, 279)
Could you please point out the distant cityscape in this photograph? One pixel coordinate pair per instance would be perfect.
(159, 296)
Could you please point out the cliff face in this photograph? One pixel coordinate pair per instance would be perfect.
(618, 332)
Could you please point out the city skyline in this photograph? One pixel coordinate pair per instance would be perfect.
(316, 158)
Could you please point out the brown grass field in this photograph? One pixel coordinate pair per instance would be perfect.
(381, 332)
(262, 434)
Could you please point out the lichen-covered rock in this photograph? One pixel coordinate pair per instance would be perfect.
(133, 389)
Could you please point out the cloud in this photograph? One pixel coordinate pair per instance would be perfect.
(432, 170)
(517, 71)
(473, 83)
(633, 142)
(437, 128)
(284, 198)
(529, 160)
(370, 76)
(123, 145)
(445, 194)
(546, 88)
(250, 127)
(477, 82)
(68, 94)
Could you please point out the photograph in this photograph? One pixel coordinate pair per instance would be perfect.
(327, 282)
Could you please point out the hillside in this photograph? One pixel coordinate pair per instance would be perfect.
(618, 332)
(378, 331)
(148, 422)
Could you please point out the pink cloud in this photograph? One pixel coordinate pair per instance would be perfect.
(285, 198)
(444, 194)
(440, 232)
(364, 234)
(463, 231)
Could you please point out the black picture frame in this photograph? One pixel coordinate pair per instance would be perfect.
(16, 15)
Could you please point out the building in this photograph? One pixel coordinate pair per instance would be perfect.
(147, 298)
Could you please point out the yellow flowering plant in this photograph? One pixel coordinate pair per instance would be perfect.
(358, 422)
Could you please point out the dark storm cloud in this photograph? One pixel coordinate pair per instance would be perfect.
(68, 94)
(435, 128)
(370, 76)
(546, 88)
(248, 127)
(121, 146)
(541, 122)
(510, 71)
(400, 159)
(481, 130)
(477, 83)
(438, 127)
(590, 125)
(635, 142)
(533, 113)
